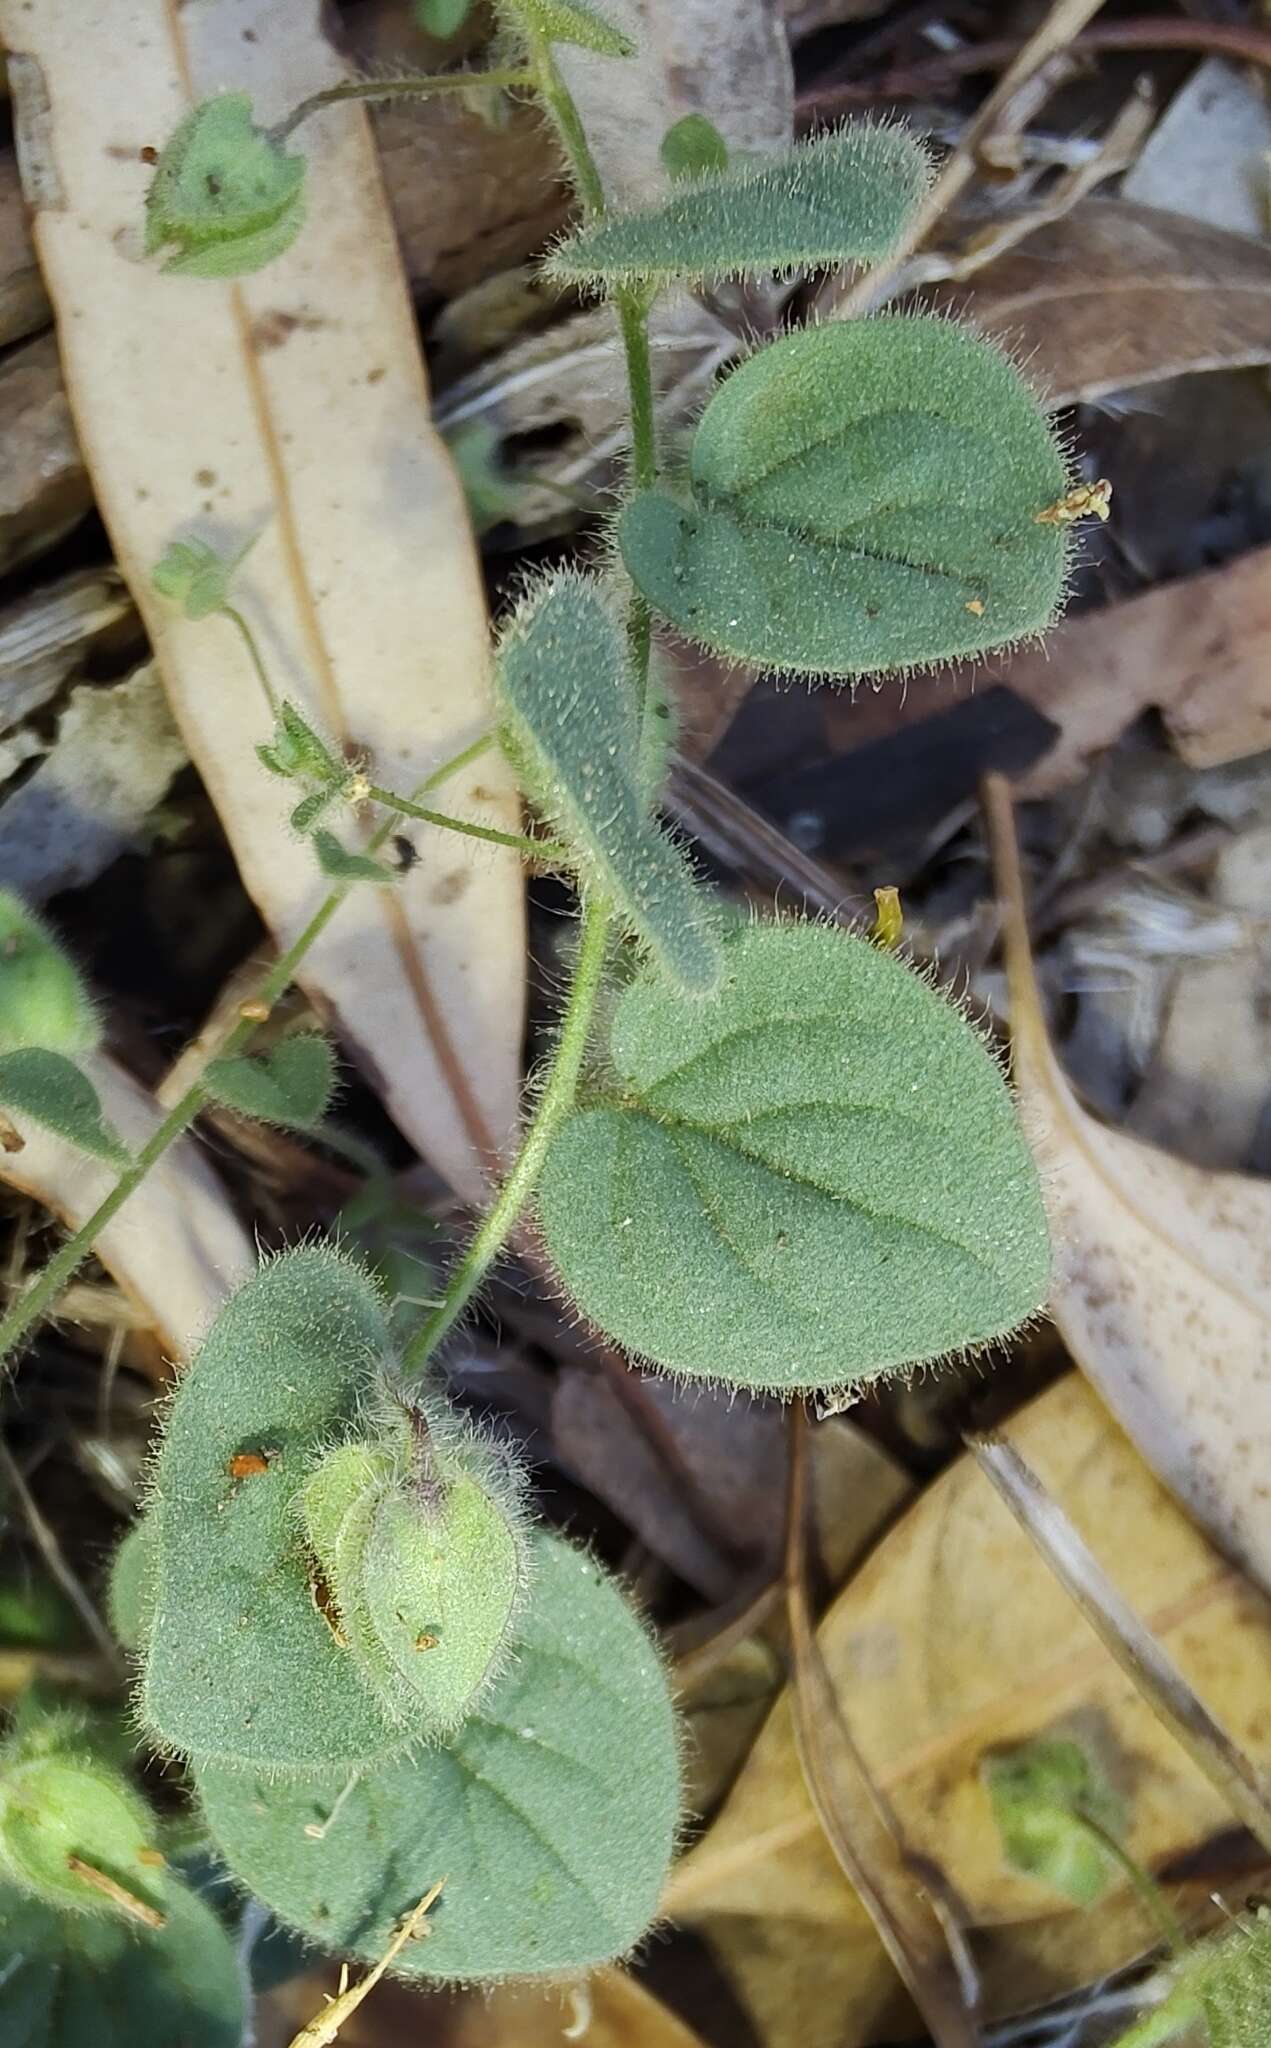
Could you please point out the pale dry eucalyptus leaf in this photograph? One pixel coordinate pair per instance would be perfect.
(292, 406)
(176, 1247)
(951, 1641)
(1208, 155)
(1162, 1278)
(109, 768)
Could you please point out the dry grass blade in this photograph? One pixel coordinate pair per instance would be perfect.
(1064, 20)
(1162, 1281)
(1154, 1674)
(857, 1822)
(291, 406)
(324, 2028)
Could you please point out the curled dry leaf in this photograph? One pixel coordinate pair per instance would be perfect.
(954, 1639)
(1162, 1279)
(176, 1247)
(290, 406)
(1119, 294)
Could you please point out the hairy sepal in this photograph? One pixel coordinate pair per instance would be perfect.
(551, 1813)
(861, 498)
(844, 198)
(568, 21)
(811, 1179)
(573, 729)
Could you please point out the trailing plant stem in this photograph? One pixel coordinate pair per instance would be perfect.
(532, 849)
(410, 87)
(1158, 1908)
(554, 1104)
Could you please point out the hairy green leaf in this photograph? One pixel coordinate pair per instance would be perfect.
(693, 148)
(297, 752)
(130, 1588)
(811, 1178)
(569, 21)
(864, 497)
(339, 865)
(67, 1979)
(291, 1085)
(843, 198)
(43, 1000)
(1044, 1795)
(551, 1813)
(334, 1574)
(573, 729)
(225, 198)
(49, 1088)
(241, 1663)
(1234, 1986)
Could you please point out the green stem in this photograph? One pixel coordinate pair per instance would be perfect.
(248, 638)
(559, 101)
(554, 1105)
(532, 849)
(473, 752)
(633, 319)
(418, 86)
(65, 1262)
(1154, 1900)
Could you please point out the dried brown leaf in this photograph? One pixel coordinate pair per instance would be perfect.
(1162, 1282)
(1119, 294)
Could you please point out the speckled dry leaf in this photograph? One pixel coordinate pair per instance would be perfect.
(291, 405)
(176, 1247)
(1162, 1283)
(954, 1639)
(1118, 294)
(727, 59)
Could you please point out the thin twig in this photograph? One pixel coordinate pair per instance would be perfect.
(1124, 1634)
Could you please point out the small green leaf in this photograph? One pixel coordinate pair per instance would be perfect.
(551, 1813)
(194, 575)
(443, 18)
(43, 1000)
(339, 865)
(1042, 1794)
(864, 497)
(572, 722)
(694, 148)
(297, 752)
(51, 1089)
(844, 198)
(225, 198)
(492, 497)
(67, 1978)
(291, 1085)
(241, 1664)
(569, 21)
(310, 808)
(811, 1178)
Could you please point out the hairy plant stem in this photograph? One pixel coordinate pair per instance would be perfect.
(554, 1105)
(419, 86)
(1159, 1910)
(561, 1084)
(531, 849)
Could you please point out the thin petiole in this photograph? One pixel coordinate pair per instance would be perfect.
(417, 86)
(531, 849)
(472, 752)
(248, 638)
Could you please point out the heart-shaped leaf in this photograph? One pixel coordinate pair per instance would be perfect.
(864, 497)
(572, 726)
(551, 1814)
(241, 1664)
(810, 1178)
(338, 864)
(693, 148)
(51, 1089)
(69, 1978)
(225, 197)
(43, 1000)
(290, 1085)
(843, 198)
(1044, 1794)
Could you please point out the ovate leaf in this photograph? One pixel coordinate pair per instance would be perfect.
(51, 1089)
(551, 1813)
(68, 1978)
(862, 497)
(693, 147)
(225, 198)
(844, 198)
(1044, 1794)
(569, 21)
(338, 864)
(241, 1664)
(573, 727)
(290, 1085)
(810, 1178)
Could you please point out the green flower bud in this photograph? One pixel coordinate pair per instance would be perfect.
(71, 1828)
